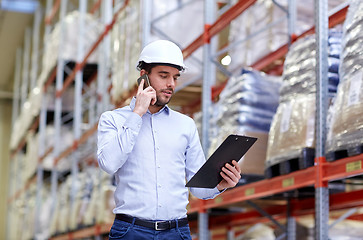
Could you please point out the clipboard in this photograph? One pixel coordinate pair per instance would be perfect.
(232, 148)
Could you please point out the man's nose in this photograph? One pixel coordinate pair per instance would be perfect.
(171, 82)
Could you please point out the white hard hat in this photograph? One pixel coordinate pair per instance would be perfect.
(163, 52)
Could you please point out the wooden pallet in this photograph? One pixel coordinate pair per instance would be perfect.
(304, 160)
(344, 152)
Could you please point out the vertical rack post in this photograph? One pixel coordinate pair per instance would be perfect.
(291, 223)
(16, 95)
(47, 28)
(15, 115)
(58, 105)
(25, 71)
(35, 47)
(230, 233)
(103, 59)
(146, 21)
(42, 122)
(291, 19)
(208, 75)
(41, 152)
(321, 188)
(77, 117)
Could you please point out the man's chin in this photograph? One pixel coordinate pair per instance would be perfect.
(162, 103)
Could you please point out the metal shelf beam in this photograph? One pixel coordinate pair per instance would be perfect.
(343, 168)
(218, 25)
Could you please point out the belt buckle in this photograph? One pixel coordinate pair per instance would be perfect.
(157, 226)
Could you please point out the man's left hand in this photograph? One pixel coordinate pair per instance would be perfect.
(231, 175)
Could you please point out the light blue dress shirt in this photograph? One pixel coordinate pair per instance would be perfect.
(151, 157)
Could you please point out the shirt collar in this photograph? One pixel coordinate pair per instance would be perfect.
(165, 108)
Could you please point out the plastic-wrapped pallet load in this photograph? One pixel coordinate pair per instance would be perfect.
(345, 229)
(89, 216)
(44, 215)
(31, 156)
(265, 25)
(61, 211)
(64, 164)
(105, 203)
(246, 107)
(70, 40)
(258, 232)
(292, 135)
(345, 136)
(28, 112)
(167, 24)
(31, 107)
(86, 188)
(126, 41)
(28, 227)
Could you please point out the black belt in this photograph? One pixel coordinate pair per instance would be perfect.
(157, 225)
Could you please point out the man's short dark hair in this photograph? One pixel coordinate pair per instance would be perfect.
(149, 66)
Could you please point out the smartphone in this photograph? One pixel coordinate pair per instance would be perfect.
(146, 80)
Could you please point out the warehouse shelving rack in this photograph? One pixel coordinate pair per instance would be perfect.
(57, 75)
(319, 180)
(317, 175)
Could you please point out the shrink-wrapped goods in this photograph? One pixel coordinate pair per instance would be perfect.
(168, 25)
(246, 107)
(292, 134)
(127, 44)
(85, 191)
(44, 215)
(126, 47)
(28, 227)
(92, 30)
(75, 196)
(105, 202)
(90, 213)
(299, 76)
(346, 130)
(31, 107)
(31, 155)
(263, 28)
(292, 129)
(66, 140)
(28, 112)
(258, 232)
(64, 206)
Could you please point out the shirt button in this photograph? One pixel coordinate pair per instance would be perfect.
(159, 205)
(157, 148)
(158, 166)
(159, 186)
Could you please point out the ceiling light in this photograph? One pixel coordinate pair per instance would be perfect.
(226, 60)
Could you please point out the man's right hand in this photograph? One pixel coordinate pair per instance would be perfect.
(144, 97)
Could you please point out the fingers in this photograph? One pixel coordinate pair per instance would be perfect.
(144, 98)
(231, 174)
(141, 86)
(153, 99)
(236, 165)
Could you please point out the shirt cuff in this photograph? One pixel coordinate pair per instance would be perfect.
(219, 192)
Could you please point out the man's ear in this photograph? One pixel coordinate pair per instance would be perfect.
(142, 72)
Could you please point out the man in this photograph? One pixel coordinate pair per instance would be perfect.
(152, 150)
